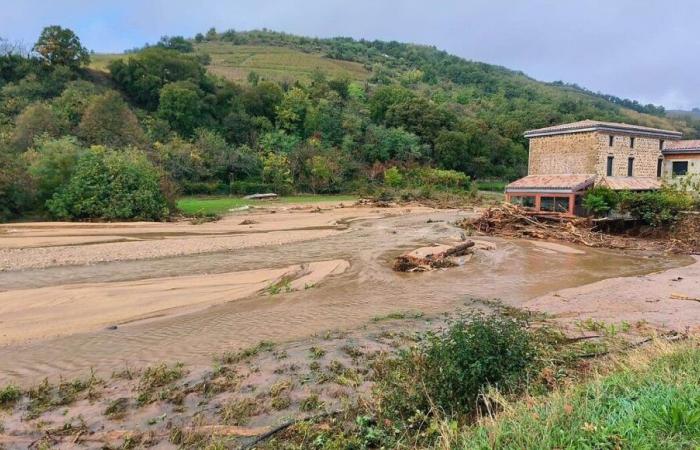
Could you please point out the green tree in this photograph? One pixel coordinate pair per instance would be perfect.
(73, 101)
(277, 172)
(15, 190)
(177, 43)
(51, 164)
(291, 113)
(60, 46)
(109, 121)
(107, 184)
(384, 144)
(142, 76)
(36, 120)
(181, 105)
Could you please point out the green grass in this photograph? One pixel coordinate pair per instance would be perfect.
(221, 205)
(652, 404)
(493, 186)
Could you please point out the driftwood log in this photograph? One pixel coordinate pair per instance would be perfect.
(416, 261)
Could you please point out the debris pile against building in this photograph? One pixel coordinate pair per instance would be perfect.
(514, 221)
(434, 257)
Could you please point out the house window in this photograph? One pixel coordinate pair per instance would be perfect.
(659, 166)
(527, 201)
(609, 170)
(611, 139)
(661, 144)
(679, 168)
(632, 142)
(630, 166)
(555, 204)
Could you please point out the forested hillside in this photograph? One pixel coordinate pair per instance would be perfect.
(119, 136)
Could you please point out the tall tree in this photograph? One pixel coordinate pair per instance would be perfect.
(61, 46)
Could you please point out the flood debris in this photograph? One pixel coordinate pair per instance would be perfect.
(433, 257)
(513, 221)
(266, 196)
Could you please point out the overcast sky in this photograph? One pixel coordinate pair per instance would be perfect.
(648, 50)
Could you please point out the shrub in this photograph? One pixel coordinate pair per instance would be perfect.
(111, 185)
(393, 177)
(601, 200)
(656, 208)
(443, 179)
(449, 370)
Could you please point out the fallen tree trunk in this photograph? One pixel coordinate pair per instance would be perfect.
(429, 258)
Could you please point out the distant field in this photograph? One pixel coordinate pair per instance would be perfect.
(235, 62)
(99, 61)
(221, 205)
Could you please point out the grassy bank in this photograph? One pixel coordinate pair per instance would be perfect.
(221, 205)
(648, 399)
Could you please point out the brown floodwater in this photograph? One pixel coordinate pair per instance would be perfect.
(515, 271)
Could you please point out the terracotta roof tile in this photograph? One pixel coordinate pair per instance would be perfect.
(574, 127)
(572, 183)
(631, 183)
(687, 146)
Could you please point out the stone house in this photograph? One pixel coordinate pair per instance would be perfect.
(681, 158)
(566, 160)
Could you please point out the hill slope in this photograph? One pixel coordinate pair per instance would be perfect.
(287, 58)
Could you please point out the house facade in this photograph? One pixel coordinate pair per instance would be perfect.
(567, 160)
(681, 158)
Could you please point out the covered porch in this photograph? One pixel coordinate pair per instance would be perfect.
(552, 193)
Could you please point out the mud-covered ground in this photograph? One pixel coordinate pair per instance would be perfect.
(158, 333)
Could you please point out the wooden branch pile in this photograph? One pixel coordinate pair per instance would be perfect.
(514, 221)
(417, 262)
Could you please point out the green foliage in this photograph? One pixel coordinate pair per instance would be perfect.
(656, 208)
(448, 370)
(35, 121)
(657, 406)
(15, 189)
(143, 75)
(276, 171)
(601, 200)
(51, 164)
(181, 105)
(177, 43)
(392, 177)
(109, 121)
(60, 46)
(385, 144)
(109, 185)
(9, 395)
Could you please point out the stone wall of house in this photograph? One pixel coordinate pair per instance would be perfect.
(646, 154)
(575, 153)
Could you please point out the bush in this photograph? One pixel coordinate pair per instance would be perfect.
(449, 370)
(443, 179)
(111, 185)
(656, 208)
(601, 200)
(393, 177)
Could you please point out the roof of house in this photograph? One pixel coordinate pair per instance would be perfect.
(551, 183)
(595, 125)
(679, 147)
(631, 183)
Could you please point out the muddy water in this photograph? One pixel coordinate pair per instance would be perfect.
(514, 272)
